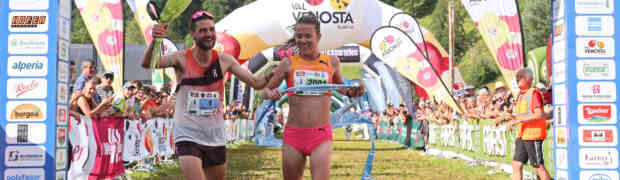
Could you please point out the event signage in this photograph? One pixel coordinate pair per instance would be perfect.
(585, 89)
(35, 77)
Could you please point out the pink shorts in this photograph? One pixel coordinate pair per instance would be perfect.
(306, 139)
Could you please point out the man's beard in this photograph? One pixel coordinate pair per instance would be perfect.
(204, 47)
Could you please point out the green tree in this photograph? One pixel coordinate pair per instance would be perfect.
(536, 20)
(478, 66)
(79, 33)
(133, 34)
(416, 8)
(466, 34)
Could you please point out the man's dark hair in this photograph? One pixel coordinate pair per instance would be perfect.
(192, 22)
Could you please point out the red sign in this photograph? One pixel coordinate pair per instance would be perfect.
(598, 136)
(597, 112)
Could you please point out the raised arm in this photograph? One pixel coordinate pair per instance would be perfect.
(159, 31)
(244, 75)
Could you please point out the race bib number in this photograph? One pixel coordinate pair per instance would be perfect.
(308, 78)
(202, 103)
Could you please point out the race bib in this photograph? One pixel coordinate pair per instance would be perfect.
(307, 78)
(202, 103)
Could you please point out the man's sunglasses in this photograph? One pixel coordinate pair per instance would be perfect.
(201, 13)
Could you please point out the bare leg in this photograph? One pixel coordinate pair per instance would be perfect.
(216, 172)
(320, 161)
(542, 172)
(517, 170)
(192, 167)
(293, 163)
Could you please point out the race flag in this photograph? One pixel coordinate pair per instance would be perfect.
(499, 24)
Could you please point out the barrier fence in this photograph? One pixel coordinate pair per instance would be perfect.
(101, 147)
(478, 139)
(144, 142)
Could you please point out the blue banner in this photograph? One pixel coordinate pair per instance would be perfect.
(584, 89)
(376, 96)
(33, 102)
(388, 82)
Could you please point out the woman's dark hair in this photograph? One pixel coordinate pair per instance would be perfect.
(306, 18)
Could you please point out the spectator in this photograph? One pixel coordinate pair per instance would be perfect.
(89, 68)
(126, 103)
(105, 90)
(88, 107)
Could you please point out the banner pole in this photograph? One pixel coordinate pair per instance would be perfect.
(451, 48)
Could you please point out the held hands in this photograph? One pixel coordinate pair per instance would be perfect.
(272, 94)
(356, 91)
(159, 30)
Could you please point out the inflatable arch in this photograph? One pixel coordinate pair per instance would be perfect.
(255, 36)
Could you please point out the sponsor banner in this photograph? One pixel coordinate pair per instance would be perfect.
(64, 28)
(63, 93)
(27, 88)
(29, 4)
(560, 94)
(64, 9)
(63, 49)
(598, 136)
(596, 69)
(598, 158)
(28, 44)
(61, 158)
(346, 54)
(61, 137)
(598, 175)
(597, 114)
(84, 148)
(499, 25)
(27, 66)
(561, 158)
(63, 71)
(560, 115)
(24, 174)
(32, 133)
(108, 133)
(595, 47)
(558, 9)
(559, 72)
(559, 51)
(28, 22)
(399, 51)
(561, 136)
(561, 175)
(17, 156)
(106, 32)
(62, 115)
(26, 111)
(61, 175)
(596, 92)
(559, 31)
(594, 25)
(594, 6)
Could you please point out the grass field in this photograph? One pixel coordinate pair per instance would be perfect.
(392, 161)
